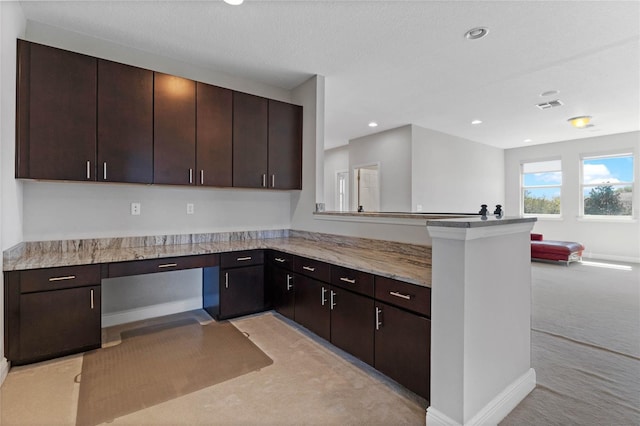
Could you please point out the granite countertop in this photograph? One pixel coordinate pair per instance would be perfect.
(406, 262)
(477, 222)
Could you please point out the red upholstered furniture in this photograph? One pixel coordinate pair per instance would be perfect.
(565, 251)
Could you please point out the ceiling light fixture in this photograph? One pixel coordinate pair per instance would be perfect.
(527, 140)
(373, 124)
(476, 122)
(234, 2)
(549, 93)
(580, 122)
(476, 33)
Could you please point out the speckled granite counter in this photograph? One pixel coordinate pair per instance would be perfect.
(406, 262)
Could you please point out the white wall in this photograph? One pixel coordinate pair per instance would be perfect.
(603, 239)
(452, 174)
(335, 160)
(12, 25)
(390, 149)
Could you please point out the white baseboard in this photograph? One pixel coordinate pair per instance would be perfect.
(597, 256)
(123, 317)
(4, 369)
(496, 410)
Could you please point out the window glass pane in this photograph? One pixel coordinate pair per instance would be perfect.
(542, 201)
(607, 170)
(613, 200)
(541, 179)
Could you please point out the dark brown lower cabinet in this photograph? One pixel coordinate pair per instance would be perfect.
(403, 347)
(352, 323)
(59, 322)
(241, 291)
(312, 309)
(282, 290)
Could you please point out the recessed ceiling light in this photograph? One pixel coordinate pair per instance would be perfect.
(476, 122)
(373, 124)
(476, 33)
(234, 2)
(527, 140)
(550, 93)
(580, 122)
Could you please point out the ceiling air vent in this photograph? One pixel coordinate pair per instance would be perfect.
(550, 104)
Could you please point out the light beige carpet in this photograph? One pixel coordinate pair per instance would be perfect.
(160, 363)
(585, 344)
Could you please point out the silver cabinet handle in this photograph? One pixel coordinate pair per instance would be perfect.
(273, 181)
(92, 304)
(400, 295)
(289, 286)
(68, 277)
(264, 180)
(280, 260)
(104, 170)
(323, 300)
(167, 265)
(88, 169)
(201, 177)
(333, 301)
(308, 268)
(378, 322)
(347, 280)
(190, 175)
(226, 280)
(241, 259)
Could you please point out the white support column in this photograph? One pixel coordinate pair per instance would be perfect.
(481, 319)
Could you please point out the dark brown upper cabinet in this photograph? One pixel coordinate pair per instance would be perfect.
(125, 123)
(250, 139)
(56, 114)
(285, 146)
(214, 137)
(174, 127)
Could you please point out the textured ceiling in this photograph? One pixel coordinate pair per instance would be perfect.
(402, 62)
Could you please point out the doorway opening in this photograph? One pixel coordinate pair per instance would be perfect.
(366, 183)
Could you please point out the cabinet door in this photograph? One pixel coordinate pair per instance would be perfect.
(125, 123)
(352, 323)
(54, 323)
(56, 114)
(241, 291)
(214, 140)
(174, 130)
(403, 347)
(249, 141)
(285, 145)
(282, 291)
(312, 305)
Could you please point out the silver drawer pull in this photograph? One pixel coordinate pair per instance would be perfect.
(226, 280)
(167, 265)
(201, 177)
(88, 169)
(322, 299)
(347, 280)
(308, 268)
(378, 319)
(278, 259)
(400, 295)
(240, 259)
(289, 286)
(68, 277)
(92, 304)
(104, 170)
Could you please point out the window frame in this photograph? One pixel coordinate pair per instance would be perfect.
(581, 185)
(523, 188)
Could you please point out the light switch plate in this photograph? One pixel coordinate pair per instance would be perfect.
(190, 208)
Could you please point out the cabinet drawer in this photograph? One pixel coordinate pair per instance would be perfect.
(408, 296)
(357, 281)
(241, 258)
(138, 267)
(283, 260)
(312, 268)
(58, 278)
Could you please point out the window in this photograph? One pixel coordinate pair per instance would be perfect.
(607, 185)
(541, 186)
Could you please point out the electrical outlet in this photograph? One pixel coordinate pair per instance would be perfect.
(419, 208)
(135, 209)
(190, 208)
